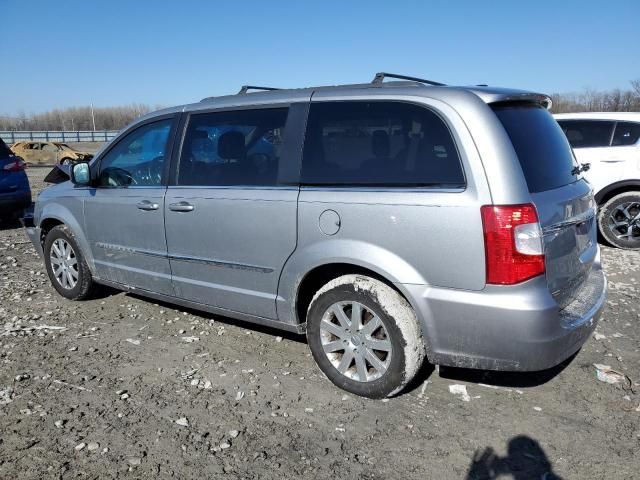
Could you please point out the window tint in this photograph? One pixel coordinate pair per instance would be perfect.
(137, 159)
(233, 148)
(378, 144)
(587, 133)
(627, 133)
(543, 151)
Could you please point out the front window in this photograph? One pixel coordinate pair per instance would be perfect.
(138, 159)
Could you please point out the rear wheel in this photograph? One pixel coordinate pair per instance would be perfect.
(619, 220)
(364, 336)
(66, 266)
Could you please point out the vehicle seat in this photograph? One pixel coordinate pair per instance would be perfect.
(232, 149)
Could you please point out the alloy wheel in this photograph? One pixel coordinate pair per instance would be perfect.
(355, 341)
(64, 264)
(624, 221)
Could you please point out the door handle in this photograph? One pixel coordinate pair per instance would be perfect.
(181, 207)
(147, 205)
(613, 160)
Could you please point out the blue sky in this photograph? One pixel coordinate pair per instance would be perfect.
(67, 53)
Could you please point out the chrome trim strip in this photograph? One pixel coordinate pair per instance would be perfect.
(121, 248)
(184, 258)
(218, 263)
(581, 218)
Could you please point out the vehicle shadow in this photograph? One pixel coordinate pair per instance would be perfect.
(275, 332)
(505, 379)
(525, 459)
(9, 224)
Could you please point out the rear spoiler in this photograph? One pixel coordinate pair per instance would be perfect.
(504, 95)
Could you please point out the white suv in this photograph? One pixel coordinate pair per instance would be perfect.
(610, 143)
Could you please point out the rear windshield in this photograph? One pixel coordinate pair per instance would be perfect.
(4, 150)
(542, 148)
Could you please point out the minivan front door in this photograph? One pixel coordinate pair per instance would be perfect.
(230, 218)
(124, 213)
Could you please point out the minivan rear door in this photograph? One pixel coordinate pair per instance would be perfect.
(563, 199)
(230, 213)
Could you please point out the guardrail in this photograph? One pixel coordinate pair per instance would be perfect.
(10, 136)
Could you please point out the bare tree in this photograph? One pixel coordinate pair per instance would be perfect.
(75, 118)
(590, 100)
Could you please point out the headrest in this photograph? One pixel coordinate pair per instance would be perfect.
(231, 145)
(380, 144)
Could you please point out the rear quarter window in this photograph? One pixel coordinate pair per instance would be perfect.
(379, 144)
(542, 148)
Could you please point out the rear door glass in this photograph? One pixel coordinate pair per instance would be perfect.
(627, 133)
(542, 148)
(587, 133)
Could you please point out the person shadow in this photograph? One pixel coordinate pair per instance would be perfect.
(525, 460)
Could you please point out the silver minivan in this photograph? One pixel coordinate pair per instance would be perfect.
(394, 222)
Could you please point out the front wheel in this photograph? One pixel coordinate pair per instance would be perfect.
(364, 336)
(619, 220)
(67, 268)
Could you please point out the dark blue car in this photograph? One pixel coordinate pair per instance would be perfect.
(15, 194)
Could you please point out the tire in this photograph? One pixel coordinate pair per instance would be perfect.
(617, 221)
(397, 342)
(74, 261)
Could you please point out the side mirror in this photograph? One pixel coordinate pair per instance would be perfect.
(80, 174)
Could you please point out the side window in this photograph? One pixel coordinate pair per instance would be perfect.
(138, 159)
(627, 133)
(49, 147)
(587, 133)
(379, 144)
(233, 148)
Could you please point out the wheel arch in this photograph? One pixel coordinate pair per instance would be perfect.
(610, 191)
(54, 215)
(307, 284)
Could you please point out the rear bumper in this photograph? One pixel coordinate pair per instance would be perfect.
(14, 202)
(34, 234)
(518, 328)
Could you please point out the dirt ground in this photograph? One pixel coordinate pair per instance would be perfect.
(123, 387)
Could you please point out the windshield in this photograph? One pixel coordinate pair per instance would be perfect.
(542, 148)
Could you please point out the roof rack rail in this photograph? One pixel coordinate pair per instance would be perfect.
(246, 88)
(380, 76)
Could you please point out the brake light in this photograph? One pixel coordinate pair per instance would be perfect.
(513, 243)
(15, 166)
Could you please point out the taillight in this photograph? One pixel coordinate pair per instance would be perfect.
(15, 166)
(513, 243)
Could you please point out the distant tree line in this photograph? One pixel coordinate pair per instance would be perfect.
(76, 118)
(615, 100)
(114, 118)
